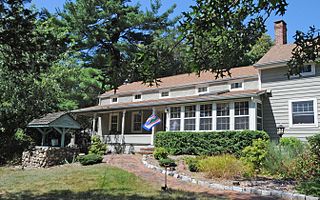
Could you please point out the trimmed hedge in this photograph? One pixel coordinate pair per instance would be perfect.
(207, 143)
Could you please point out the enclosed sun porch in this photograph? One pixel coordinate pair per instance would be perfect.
(122, 123)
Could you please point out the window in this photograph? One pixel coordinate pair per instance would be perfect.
(136, 122)
(175, 114)
(114, 122)
(259, 117)
(202, 89)
(241, 112)
(306, 70)
(137, 97)
(206, 117)
(237, 85)
(164, 94)
(190, 118)
(223, 119)
(303, 112)
(114, 100)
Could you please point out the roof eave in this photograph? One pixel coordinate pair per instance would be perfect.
(105, 95)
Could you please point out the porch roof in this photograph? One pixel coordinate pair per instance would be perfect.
(222, 95)
(55, 120)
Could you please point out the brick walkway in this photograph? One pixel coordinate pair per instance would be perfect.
(133, 164)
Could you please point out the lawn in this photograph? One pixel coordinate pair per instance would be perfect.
(79, 182)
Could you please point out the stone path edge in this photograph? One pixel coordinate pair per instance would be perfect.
(256, 191)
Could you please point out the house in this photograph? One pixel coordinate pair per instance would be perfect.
(259, 97)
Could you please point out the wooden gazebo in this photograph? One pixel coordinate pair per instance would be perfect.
(62, 122)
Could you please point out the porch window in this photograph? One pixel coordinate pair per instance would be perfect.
(136, 122)
(206, 117)
(259, 116)
(114, 122)
(190, 118)
(303, 112)
(241, 112)
(175, 115)
(223, 119)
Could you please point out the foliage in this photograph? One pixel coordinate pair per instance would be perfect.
(160, 153)
(90, 159)
(280, 160)
(306, 50)
(306, 166)
(220, 33)
(293, 143)
(167, 162)
(97, 147)
(207, 143)
(224, 166)
(256, 153)
(310, 187)
(314, 142)
(114, 36)
(259, 49)
(193, 163)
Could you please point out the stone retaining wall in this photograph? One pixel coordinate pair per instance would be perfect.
(48, 156)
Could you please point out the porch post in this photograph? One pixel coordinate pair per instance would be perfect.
(63, 134)
(167, 119)
(122, 125)
(153, 128)
(252, 115)
(94, 124)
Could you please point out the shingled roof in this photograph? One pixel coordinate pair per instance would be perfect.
(184, 80)
(57, 119)
(171, 101)
(277, 54)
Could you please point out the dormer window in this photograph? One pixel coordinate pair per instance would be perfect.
(164, 94)
(307, 70)
(137, 97)
(203, 89)
(114, 100)
(236, 86)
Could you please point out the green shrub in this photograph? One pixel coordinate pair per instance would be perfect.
(224, 166)
(167, 162)
(292, 143)
(97, 147)
(306, 166)
(90, 159)
(281, 160)
(160, 153)
(256, 153)
(207, 143)
(193, 163)
(314, 142)
(310, 187)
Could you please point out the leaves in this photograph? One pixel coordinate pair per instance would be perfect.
(220, 33)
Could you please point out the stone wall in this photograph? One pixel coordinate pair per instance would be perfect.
(48, 156)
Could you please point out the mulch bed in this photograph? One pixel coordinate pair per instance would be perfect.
(259, 182)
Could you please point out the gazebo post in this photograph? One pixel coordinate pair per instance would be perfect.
(63, 136)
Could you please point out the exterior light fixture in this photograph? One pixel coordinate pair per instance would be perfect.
(280, 130)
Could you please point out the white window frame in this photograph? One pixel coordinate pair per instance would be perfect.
(180, 118)
(315, 115)
(205, 117)
(238, 116)
(194, 118)
(223, 116)
(132, 122)
(233, 82)
(305, 74)
(110, 121)
(112, 97)
(160, 94)
(134, 97)
(202, 86)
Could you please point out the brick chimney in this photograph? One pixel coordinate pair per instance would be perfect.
(280, 29)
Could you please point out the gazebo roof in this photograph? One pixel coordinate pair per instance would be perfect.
(55, 120)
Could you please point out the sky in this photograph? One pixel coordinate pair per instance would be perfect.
(300, 15)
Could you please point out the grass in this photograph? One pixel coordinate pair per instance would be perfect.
(79, 182)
